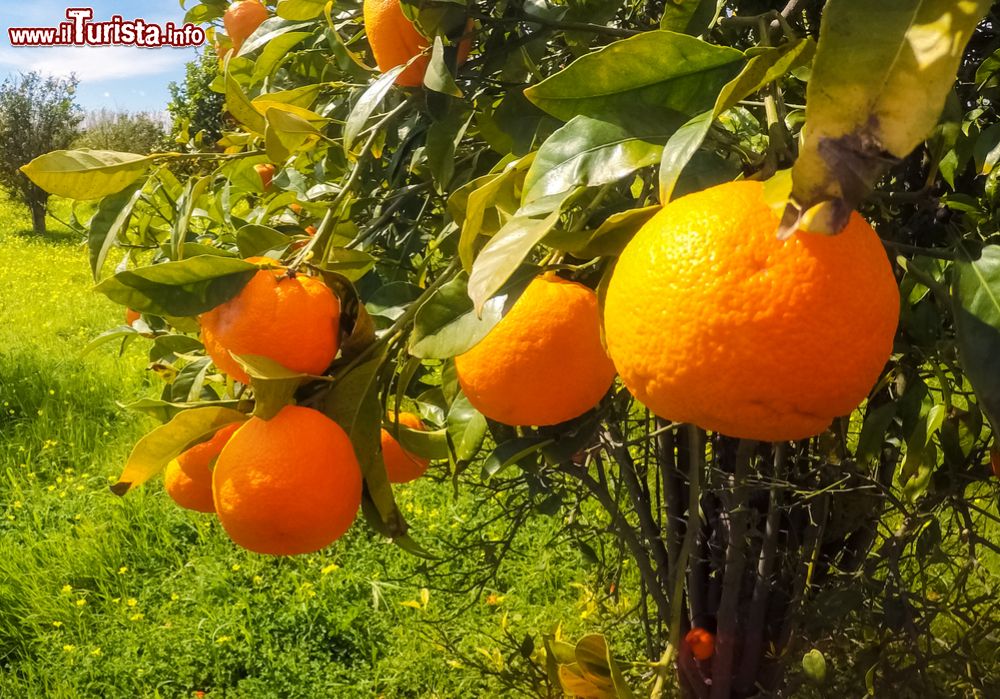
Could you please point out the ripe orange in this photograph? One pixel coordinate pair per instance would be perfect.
(401, 465)
(188, 478)
(394, 41)
(296, 208)
(701, 643)
(131, 316)
(293, 320)
(288, 485)
(266, 172)
(711, 319)
(310, 230)
(242, 19)
(543, 363)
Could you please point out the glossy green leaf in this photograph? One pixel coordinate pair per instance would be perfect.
(447, 325)
(273, 385)
(590, 152)
(366, 106)
(512, 244)
(254, 240)
(765, 67)
(242, 109)
(650, 71)
(437, 77)
(466, 428)
(976, 300)
(300, 9)
(512, 452)
(164, 444)
(608, 240)
(86, 174)
(112, 217)
(184, 288)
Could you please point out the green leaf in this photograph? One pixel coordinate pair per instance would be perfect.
(437, 77)
(877, 89)
(273, 384)
(113, 215)
(184, 288)
(269, 30)
(429, 444)
(494, 193)
(354, 405)
(241, 107)
(164, 444)
(275, 52)
(466, 428)
(353, 264)
(590, 152)
(505, 251)
(976, 301)
(370, 99)
(447, 325)
(86, 174)
(763, 68)
(287, 133)
(650, 71)
(300, 9)
(254, 240)
(443, 138)
(814, 666)
(687, 16)
(608, 240)
(164, 411)
(512, 452)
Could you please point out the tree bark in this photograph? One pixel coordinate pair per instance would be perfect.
(38, 210)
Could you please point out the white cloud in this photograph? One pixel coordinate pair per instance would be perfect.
(92, 64)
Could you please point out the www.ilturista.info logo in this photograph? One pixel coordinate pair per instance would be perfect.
(81, 31)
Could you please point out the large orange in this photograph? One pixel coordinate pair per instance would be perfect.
(293, 320)
(242, 19)
(288, 485)
(394, 41)
(401, 465)
(711, 319)
(188, 478)
(543, 363)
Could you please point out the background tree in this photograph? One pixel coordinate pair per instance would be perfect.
(37, 115)
(139, 132)
(196, 110)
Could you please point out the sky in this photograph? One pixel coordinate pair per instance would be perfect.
(114, 77)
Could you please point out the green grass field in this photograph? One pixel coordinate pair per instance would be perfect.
(133, 597)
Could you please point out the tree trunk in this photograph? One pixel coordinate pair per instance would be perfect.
(38, 209)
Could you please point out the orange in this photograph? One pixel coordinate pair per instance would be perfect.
(310, 230)
(188, 478)
(401, 465)
(288, 485)
(242, 19)
(543, 363)
(296, 208)
(131, 316)
(701, 643)
(394, 41)
(266, 172)
(710, 319)
(293, 320)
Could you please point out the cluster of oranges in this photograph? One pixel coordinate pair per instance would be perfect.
(291, 484)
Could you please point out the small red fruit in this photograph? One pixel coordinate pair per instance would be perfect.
(701, 643)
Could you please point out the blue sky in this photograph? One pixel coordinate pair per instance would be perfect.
(117, 77)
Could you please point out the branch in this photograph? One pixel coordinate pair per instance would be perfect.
(726, 634)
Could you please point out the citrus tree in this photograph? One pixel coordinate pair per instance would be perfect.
(608, 255)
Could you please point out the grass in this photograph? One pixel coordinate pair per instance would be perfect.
(109, 597)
